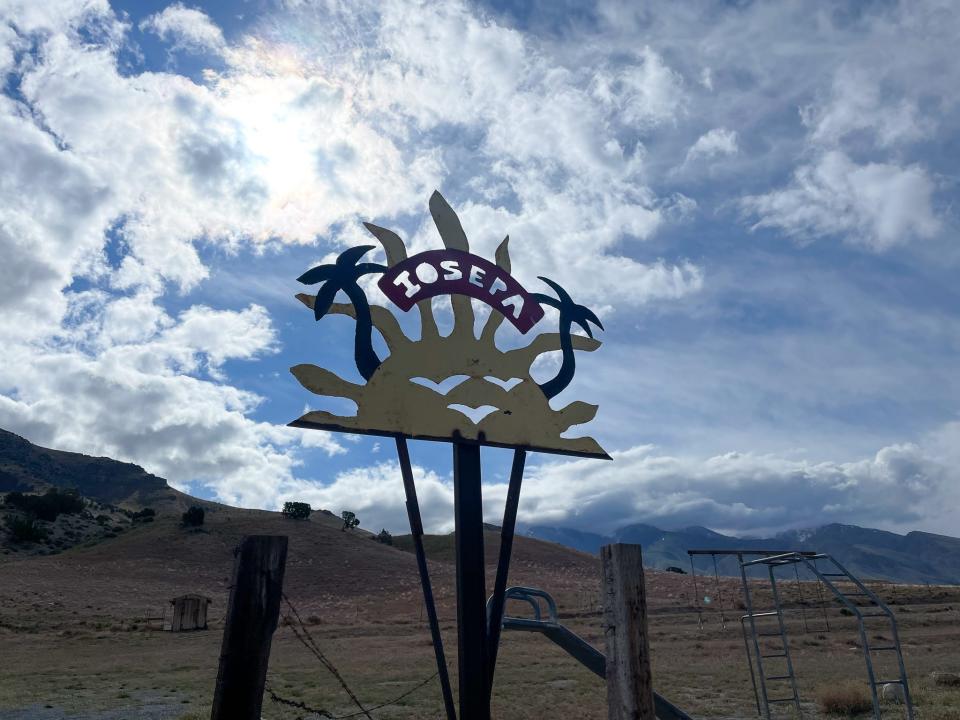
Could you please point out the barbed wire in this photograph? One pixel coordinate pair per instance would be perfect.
(300, 705)
(277, 698)
(306, 639)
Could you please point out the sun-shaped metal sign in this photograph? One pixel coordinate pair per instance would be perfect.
(401, 396)
(407, 395)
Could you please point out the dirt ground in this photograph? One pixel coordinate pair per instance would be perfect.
(100, 662)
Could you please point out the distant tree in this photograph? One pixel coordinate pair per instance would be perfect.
(25, 529)
(49, 505)
(350, 520)
(193, 517)
(385, 537)
(297, 510)
(145, 515)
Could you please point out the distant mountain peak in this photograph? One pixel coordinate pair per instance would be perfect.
(702, 531)
(868, 552)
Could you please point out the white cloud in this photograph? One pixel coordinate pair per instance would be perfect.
(154, 398)
(133, 184)
(186, 28)
(856, 94)
(107, 370)
(714, 143)
(8, 41)
(376, 495)
(559, 174)
(266, 152)
(876, 205)
(53, 208)
(166, 163)
(734, 492)
(706, 78)
(646, 92)
(259, 155)
(856, 103)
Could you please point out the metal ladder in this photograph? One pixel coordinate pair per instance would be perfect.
(758, 655)
(874, 606)
(877, 609)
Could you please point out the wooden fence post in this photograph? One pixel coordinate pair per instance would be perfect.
(251, 620)
(629, 681)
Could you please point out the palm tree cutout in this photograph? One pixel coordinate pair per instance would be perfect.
(570, 313)
(343, 275)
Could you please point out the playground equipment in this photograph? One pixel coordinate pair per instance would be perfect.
(573, 644)
(739, 555)
(765, 634)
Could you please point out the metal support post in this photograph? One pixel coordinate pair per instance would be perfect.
(753, 634)
(416, 532)
(495, 619)
(471, 583)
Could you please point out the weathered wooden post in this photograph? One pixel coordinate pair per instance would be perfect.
(629, 681)
(251, 620)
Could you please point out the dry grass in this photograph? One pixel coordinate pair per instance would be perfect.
(69, 633)
(845, 700)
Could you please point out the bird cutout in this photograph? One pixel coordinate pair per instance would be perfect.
(443, 387)
(459, 386)
(508, 384)
(475, 414)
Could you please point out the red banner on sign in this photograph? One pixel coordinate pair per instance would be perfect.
(454, 272)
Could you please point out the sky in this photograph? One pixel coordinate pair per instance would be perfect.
(759, 200)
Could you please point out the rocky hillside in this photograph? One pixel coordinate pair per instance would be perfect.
(29, 468)
(70, 499)
(123, 536)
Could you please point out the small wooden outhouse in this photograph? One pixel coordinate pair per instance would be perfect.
(189, 612)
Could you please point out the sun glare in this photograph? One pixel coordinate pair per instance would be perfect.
(272, 95)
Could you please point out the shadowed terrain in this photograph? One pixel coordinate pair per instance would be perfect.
(80, 625)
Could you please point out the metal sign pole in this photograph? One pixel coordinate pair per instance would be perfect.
(471, 583)
(495, 621)
(416, 532)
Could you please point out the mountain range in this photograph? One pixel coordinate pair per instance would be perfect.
(917, 557)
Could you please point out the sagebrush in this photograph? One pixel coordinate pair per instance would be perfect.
(845, 700)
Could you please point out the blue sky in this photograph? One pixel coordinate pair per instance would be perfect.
(757, 199)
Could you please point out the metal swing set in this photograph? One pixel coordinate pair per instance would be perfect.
(765, 636)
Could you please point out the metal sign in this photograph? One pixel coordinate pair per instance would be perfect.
(451, 272)
(396, 401)
(402, 396)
